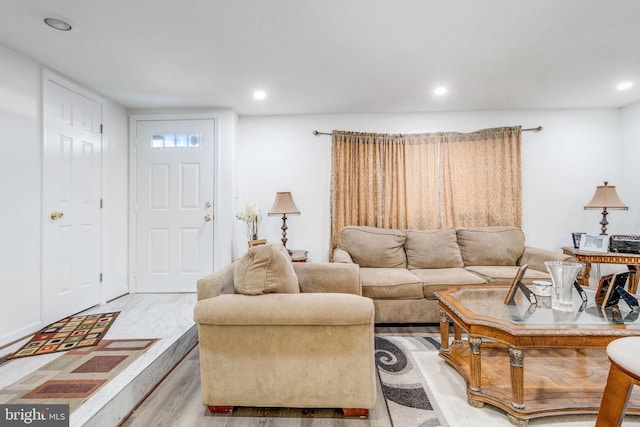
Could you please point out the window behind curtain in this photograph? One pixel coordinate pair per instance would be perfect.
(426, 181)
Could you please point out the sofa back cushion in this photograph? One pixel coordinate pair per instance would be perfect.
(374, 247)
(265, 269)
(490, 245)
(432, 249)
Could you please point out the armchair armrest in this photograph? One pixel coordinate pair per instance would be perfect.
(536, 257)
(342, 256)
(328, 277)
(217, 283)
(285, 309)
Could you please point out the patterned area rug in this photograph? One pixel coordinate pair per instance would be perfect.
(76, 375)
(66, 334)
(403, 386)
(421, 389)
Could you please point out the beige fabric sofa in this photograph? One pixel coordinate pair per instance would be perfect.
(310, 348)
(401, 269)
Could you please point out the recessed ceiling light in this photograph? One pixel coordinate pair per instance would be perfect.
(624, 85)
(440, 90)
(58, 24)
(259, 94)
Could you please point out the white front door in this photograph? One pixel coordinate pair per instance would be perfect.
(174, 204)
(71, 201)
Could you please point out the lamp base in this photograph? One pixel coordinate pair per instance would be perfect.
(284, 232)
(604, 222)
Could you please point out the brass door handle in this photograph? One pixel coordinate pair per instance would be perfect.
(207, 218)
(56, 215)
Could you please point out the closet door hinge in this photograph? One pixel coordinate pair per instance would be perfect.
(101, 204)
(100, 277)
(101, 128)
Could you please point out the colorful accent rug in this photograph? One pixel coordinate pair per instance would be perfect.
(76, 375)
(66, 334)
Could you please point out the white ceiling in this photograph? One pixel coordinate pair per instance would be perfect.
(338, 56)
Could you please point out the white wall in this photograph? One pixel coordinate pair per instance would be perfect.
(629, 162)
(20, 166)
(562, 165)
(115, 211)
(21, 195)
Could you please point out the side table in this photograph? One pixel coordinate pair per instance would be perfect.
(299, 255)
(632, 261)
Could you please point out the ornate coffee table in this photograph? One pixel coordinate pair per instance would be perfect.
(565, 368)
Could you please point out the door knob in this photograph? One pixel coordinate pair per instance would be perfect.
(56, 215)
(207, 218)
(207, 205)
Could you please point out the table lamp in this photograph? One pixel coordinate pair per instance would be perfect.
(605, 198)
(284, 205)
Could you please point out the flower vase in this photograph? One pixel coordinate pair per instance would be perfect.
(252, 230)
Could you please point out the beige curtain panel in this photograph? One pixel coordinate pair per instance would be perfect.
(426, 181)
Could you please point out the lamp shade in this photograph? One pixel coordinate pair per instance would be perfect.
(284, 204)
(606, 197)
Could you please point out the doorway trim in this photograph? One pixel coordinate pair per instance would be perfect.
(133, 196)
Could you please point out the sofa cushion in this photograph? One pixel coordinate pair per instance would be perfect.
(440, 279)
(432, 249)
(490, 245)
(374, 247)
(390, 283)
(504, 274)
(264, 269)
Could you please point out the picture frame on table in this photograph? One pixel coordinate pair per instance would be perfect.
(594, 243)
(603, 288)
(576, 238)
(517, 284)
(612, 289)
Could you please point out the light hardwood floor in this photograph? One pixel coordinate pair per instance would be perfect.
(177, 402)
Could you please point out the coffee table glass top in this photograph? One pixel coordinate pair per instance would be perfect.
(489, 302)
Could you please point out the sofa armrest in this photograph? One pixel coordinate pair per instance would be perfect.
(328, 277)
(217, 283)
(342, 256)
(535, 258)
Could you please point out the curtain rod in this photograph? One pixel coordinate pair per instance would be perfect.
(536, 129)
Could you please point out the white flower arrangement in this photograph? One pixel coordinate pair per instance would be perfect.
(251, 215)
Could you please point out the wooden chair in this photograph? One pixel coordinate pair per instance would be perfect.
(623, 375)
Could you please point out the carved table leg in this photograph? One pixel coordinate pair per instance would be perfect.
(475, 363)
(444, 332)
(516, 358)
(633, 278)
(586, 273)
(457, 334)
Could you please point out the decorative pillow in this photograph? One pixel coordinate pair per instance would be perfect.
(491, 245)
(374, 247)
(433, 249)
(265, 269)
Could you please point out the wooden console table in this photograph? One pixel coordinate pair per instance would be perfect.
(632, 261)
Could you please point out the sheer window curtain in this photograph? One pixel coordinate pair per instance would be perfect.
(426, 181)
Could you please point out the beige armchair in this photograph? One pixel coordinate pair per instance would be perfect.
(312, 349)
